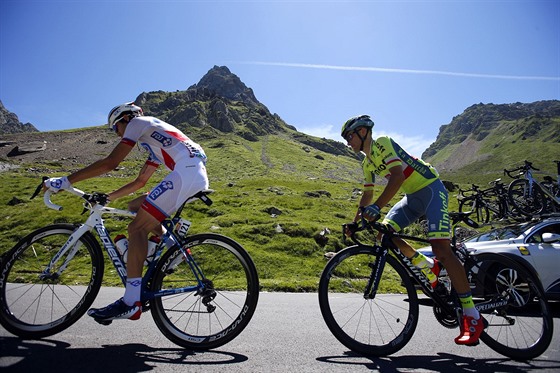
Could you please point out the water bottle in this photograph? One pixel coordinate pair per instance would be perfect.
(182, 227)
(152, 244)
(122, 246)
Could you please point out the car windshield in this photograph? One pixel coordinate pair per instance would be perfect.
(504, 233)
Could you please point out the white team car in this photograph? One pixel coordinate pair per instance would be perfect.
(535, 244)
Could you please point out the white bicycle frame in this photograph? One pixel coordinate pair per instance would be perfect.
(94, 221)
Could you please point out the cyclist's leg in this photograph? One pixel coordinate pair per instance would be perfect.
(135, 205)
(188, 178)
(129, 306)
(398, 218)
(439, 235)
(404, 213)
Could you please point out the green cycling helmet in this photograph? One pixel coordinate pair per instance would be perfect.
(356, 122)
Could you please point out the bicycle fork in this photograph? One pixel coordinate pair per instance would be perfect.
(376, 270)
(71, 246)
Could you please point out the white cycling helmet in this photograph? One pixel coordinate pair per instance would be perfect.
(119, 111)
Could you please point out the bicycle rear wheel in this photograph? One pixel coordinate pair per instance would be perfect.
(527, 201)
(372, 327)
(35, 303)
(214, 314)
(520, 325)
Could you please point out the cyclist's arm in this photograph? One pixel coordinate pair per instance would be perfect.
(143, 176)
(394, 183)
(366, 199)
(102, 166)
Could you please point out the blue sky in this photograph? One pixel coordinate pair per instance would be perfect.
(411, 65)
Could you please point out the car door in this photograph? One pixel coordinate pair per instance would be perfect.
(546, 257)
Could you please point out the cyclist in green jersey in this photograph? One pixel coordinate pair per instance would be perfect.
(425, 195)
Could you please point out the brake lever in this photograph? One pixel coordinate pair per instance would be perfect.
(38, 190)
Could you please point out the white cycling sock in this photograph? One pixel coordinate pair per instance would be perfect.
(132, 292)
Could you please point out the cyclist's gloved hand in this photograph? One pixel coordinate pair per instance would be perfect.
(56, 184)
(371, 212)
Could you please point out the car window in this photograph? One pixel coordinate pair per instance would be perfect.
(537, 236)
(499, 234)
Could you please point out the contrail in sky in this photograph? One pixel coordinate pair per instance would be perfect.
(402, 71)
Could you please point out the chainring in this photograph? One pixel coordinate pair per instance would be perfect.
(444, 318)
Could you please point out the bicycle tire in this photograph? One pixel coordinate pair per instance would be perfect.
(526, 202)
(371, 327)
(182, 317)
(32, 307)
(521, 329)
(470, 205)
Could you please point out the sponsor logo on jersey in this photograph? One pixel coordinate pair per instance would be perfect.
(162, 139)
(160, 189)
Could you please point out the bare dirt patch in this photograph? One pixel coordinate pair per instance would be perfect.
(67, 149)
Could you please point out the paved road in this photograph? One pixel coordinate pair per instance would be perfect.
(287, 334)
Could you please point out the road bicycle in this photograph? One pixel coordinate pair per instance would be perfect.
(202, 291)
(368, 296)
(487, 205)
(528, 195)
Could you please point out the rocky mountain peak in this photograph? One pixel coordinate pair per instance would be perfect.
(9, 122)
(221, 103)
(222, 82)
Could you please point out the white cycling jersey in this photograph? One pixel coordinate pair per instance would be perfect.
(169, 146)
(165, 143)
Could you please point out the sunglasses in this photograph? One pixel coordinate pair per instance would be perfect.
(115, 125)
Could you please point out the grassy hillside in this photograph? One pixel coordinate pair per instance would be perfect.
(308, 190)
(478, 144)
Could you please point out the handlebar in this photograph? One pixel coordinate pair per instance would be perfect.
(93, 198)
(51, 205)
(522, 169)
(372, 226)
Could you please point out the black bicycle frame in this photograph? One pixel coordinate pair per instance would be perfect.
(377, 269)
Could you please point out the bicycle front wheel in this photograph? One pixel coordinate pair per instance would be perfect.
(527, 200)
(36, 303)
(372, 327)
(219, 308)
(520, 324)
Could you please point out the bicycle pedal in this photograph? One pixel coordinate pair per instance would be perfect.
(103, 322)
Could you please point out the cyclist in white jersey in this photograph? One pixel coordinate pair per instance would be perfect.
(166, 145)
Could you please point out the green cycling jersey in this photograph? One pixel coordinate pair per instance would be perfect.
(385, 154)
